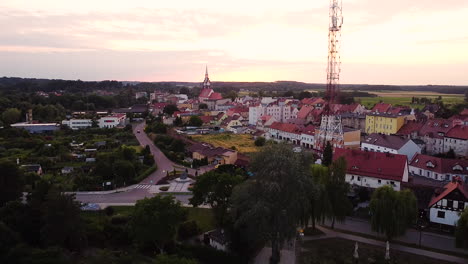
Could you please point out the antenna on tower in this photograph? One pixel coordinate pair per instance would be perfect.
(331, 128)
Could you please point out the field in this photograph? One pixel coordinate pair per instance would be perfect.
(404, 98)
(242, 142)
(337, 250)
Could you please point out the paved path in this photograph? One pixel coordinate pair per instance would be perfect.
(131, 194)
(332, 234)
(288, 254)
(428, 239)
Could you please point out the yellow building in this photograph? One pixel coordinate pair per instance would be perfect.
(384, 123)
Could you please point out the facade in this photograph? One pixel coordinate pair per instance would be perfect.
(433, 133)
(139, 95)
(76, 124)
(384, 123)
(374, 169)
(390, 144)
(457, 140)
(284, 132)
(354, 120)
(447, 204)
(213, 155)
(439, 169)
(112, 121)
(281, 110)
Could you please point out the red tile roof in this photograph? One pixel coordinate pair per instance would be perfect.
(348, 108)
(206, 119)
(159, 105)
(409, 128)
(455, 184)
(309, 130)
(304, 112)
(440, 165)
(460, 132)
(205, 92)
(373, 164)
(464, 112)
(285, 127)
(312, 101)
(215, 96)
(435, 128)
(381, 107)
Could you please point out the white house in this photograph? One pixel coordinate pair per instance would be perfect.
(218, 239)
(457, 140)
(439, 169)
(390, 144)
(447, 204)
(284, 132)
(374, 169)
(76, 124)
(112, 121)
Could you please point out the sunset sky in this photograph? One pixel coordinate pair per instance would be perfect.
(383, 42)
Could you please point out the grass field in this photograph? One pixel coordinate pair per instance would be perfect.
(243, 143)
(369, 102)
(337, 250)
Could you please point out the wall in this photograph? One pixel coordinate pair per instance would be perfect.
(451, 217)
(370, 182)
(352, 139)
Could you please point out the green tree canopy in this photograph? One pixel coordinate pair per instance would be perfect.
(11, 115)
(195, 121)
(327, 154)
(271, 202)
(10, 182)
(155, 221)
(392, 212)
(215, 189)
(461, 232)
(170, 109)
(260, 141)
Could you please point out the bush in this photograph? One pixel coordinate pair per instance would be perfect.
(260, 141)
(188, 229)
(164, 188)
(109, 211)
(119, 219)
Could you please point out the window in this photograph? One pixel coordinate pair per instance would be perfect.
(352, 177)
(440, 214)
(449, 203)
(379, 181)
(358, 178)
(461, 205)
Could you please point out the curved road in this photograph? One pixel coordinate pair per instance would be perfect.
(132, 194)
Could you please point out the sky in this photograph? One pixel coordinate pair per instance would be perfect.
(415, 42)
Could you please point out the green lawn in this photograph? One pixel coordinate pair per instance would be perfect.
(338, 250)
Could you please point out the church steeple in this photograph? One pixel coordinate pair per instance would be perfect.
(206, 82)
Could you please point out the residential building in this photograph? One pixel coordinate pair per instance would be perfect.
(440, 169)
(374, 169)
(115, 120)
(410, 129)
(457, 140)
(433, 133)
(381, 108)
(139, 95)
(213, 155)
(390, 144)
(281, 110)
(218, 239)
(377, 122)
(76, 124)
(308, 137)
(351, 139)
(354, 120)
(447, 204)
(284, 132)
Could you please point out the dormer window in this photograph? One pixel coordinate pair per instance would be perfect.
(430, 164)
(457, 168)
(416, 161)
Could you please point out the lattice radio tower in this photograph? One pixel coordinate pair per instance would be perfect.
(331, 129)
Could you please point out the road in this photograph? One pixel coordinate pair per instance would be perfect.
(132, 194)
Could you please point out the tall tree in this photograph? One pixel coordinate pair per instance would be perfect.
(327, 154)
(63, 225)
(318, 195)
(195, 121)
(271, 201)
(461, 232)
(170, 109)
(336, 192)
(10, 182)
(11, 115)
(155, 221)
(215, 189)
(392, 212)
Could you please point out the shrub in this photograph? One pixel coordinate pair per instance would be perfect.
(164, 188)
(188, 229)
(260, 141)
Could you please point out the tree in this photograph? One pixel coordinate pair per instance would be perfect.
(231, 95)
(318, 200)
(327, 154)
(178, 121)
(11, 115)
(124, 171)
(392, 212)
(269, 205)
(260, 141)
(203, 106)
(215, 189)
(195, 121)
(450, 154)
(336, 192)
(63, 225)
(10, 182)
(461, 232)
(170, 109)
(304, 94)
(184, 90)
(155, 221)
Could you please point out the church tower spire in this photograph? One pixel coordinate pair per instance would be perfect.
(206, 82)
